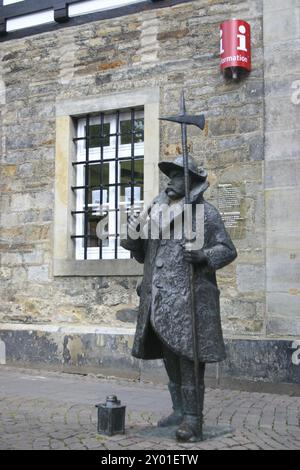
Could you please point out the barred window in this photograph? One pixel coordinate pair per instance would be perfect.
(109, 177)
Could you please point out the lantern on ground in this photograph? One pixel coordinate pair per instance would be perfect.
(111, 417)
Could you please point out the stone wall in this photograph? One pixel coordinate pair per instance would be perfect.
(282, 165)
(171, 48)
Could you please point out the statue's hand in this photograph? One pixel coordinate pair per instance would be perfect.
(195, 257)
(132, 225)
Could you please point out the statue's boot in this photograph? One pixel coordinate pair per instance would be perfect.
(175, 418)
(191, 428)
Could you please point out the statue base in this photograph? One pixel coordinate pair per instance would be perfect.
(209, 433)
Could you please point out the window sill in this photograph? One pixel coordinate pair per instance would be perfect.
(118, 267)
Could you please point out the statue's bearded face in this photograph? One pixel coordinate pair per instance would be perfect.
(175, 188)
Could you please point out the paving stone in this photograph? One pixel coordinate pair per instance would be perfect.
(60, 417)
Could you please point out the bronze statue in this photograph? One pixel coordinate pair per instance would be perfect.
(179, 314)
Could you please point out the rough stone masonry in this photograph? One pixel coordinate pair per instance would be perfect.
(251, 143)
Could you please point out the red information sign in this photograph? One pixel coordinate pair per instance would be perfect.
(235, 44)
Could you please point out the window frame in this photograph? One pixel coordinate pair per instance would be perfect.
(112, 150)
(67, 112)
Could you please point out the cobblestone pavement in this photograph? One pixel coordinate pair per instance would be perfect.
(42, 410)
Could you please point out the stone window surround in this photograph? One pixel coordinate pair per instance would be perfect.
(64, 262)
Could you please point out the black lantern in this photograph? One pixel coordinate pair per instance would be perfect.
(111, 416)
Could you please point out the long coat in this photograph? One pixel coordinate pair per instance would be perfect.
(165, 300)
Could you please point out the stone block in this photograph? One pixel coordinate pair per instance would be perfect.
(5, 273)
(260, 361)
(34, 257)
(19, 276)
(284, 326)
(250, 278)
(223, 126)
(21, 202)
(282, 145)
(106, 354)
(282, 25)
(39, 274)
(246, 317)
(32, 347)
(282, 209)
(9, 220)
(283, 305)
(28, 201)
(11, 259)
(271, 6)
(8, 170)
(282, 86)
(279, 58)
(283, 262)
(282, 173)
(281, 113)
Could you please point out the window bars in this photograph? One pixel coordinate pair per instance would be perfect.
(109, 178)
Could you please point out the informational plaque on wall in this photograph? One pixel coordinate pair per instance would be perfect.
(229, 203)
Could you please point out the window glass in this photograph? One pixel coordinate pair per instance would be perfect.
(132, 187)
(114, 180)
(126, 131)
(96, 138)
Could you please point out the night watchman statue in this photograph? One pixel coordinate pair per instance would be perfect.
(179, 314)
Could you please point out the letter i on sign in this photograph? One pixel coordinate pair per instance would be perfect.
(242, 39)
(221, 42)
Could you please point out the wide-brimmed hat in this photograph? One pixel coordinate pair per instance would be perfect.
(166, 166)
